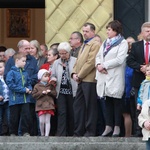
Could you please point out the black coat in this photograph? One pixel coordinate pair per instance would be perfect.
(135, 59)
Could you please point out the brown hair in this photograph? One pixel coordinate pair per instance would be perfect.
(92, 26)
(116, 26)
(18, 55)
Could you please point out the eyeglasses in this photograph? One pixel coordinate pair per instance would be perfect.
(73, 38)
(63, 53)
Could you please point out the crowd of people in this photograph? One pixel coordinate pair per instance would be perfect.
(80, 87)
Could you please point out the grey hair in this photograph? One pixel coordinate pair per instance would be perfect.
(64, 46)
(21, 43)
(9, 51)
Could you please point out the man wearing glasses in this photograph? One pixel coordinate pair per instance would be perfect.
(76, 40)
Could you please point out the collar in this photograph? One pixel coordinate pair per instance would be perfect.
(44, 83)
(146, 42)
(86, 41)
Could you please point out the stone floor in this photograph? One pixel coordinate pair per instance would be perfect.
(70, 143)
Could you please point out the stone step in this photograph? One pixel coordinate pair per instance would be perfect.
(70, 143)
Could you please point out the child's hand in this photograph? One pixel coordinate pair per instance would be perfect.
(27, 90)
(48, 91)
(53, 81)
(1, 98)
(44, 92)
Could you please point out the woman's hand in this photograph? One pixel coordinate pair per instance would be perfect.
(147, 125)
(101, 69)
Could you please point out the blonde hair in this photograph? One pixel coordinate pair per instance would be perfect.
(37, 45)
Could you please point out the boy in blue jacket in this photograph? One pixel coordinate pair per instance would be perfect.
(20, 88)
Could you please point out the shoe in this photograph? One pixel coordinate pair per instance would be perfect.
(26, 134)
(137, 135)
(108, 134)
(115, 135)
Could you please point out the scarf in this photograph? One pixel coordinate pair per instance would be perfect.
(109, 43)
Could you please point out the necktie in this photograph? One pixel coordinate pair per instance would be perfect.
(147, 53)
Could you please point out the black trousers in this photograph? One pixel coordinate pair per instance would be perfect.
(65, 124)
(135, 113)
(113, 111)
(85, 110)
(33, 120)
(16, 112)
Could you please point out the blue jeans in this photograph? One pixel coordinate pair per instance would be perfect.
(148, 144)
(4, 114)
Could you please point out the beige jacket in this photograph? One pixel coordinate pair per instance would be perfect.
(144, 116)
(85, 64)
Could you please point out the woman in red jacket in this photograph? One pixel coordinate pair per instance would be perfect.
(51, 57)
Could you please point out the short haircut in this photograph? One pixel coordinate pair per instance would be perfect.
(21, 43)
(54, 51)
(18, 55)
(44, 46)
(92, 26)
(146, 24)
(54, 44)
(10, 51)
(116, 26)
(79, 35)
(64, 46)
(96, 35)
(2, 48)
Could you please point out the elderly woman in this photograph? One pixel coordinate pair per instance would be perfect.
(66, 89)
(110, 75)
